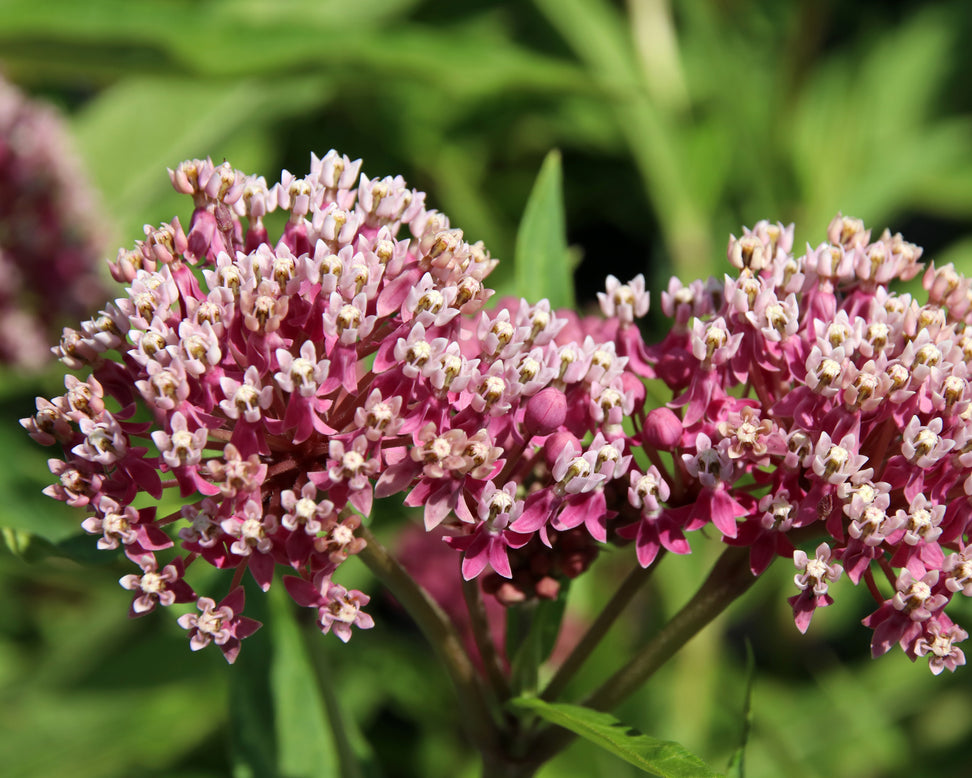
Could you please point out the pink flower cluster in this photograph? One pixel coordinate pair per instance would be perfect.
(289, 381)
(49, 231)
(815, 402)
(274, 387)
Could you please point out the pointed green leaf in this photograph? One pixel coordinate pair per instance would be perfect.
(127, 152)
(304, 743)
(543, 266)
(662, 758)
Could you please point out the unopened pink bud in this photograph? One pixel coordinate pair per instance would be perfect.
(555, 444)
(663, 429)
(545, 412)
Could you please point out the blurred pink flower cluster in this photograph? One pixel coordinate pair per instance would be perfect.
(49, 231)
(290, 380)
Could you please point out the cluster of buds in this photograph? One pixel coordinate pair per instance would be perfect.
(48, 231)
(290, 381)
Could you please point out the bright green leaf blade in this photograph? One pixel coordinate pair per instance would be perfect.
(542, 261)
(22, 478)
(279, 718)
(531, 634)
(304, 747)
(63, 732)
(115, 38)
(662, 758)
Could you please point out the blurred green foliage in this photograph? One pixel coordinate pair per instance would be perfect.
(676, 123)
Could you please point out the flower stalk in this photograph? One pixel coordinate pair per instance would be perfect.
(478, 719)
(729, 578)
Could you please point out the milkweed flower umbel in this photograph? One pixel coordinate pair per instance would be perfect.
(277, 386)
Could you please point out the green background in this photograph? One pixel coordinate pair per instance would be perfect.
(677, 123)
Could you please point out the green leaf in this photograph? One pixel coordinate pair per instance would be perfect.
(371, 40)
(543, 266)
(662, 758)
(22, 479)
(304, 743)
(600, 36)
(127, 152)
(277, 705)
(253, 742)
(736, 767)
(522, 647)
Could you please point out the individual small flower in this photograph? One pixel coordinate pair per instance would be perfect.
(156, 587)
(938, 643)
(914, 596)
(923, 445)
(813, 579)
(181, 447)
(338, 609)
(710, 464)
(836, 462)
(626, 301)
(647, 491)
(220, 624)
(245, 400)
(747, 433)
(488, 542)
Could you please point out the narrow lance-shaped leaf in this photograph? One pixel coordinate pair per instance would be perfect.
(304, 741)
(662, 758)
(543, 267)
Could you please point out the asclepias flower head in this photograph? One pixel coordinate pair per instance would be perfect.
(264, 389)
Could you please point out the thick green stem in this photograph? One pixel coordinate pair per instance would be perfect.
(729, 578)
(596, 632)
(477, 717)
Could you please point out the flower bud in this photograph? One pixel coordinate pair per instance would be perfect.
(555, 444)
(545, 412)
(663, 429)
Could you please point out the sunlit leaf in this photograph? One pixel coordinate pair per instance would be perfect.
(542, 260)
(131, 132)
